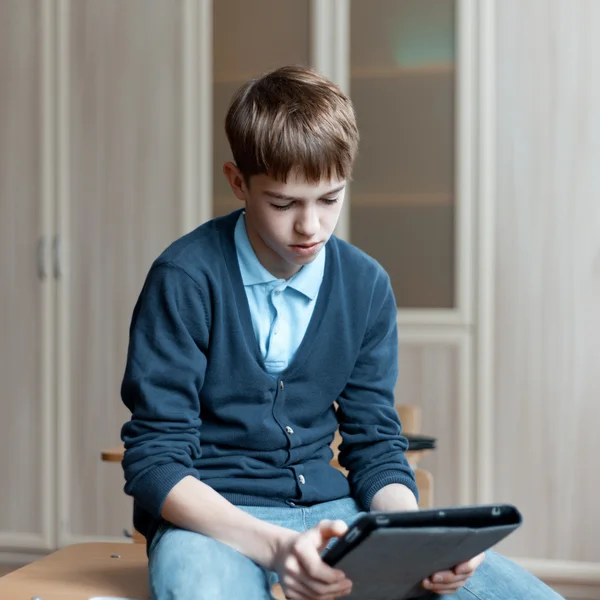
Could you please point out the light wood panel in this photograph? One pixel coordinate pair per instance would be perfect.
(22, 293)
(429, 377)
(122, 207)
(547, 343)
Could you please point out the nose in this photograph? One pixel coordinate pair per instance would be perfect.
(307, 223)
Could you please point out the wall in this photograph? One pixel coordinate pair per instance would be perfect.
(546, 346)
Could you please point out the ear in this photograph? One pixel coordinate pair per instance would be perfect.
(236, 180)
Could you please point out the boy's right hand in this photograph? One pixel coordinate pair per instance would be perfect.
(302, 573)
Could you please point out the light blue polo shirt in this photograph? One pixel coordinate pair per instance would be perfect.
(281, 309)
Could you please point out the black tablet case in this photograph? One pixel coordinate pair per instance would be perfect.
(387, 555)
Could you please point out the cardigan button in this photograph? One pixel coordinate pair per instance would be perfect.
(289, 430)
(301, 479)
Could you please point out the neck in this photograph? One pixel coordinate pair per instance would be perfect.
(269, 259)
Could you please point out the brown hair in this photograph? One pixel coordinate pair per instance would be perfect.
(292, 118)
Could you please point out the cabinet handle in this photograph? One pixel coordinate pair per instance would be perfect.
(57, 265)
(42, 268)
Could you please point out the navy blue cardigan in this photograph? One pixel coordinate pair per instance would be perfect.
(203, 405)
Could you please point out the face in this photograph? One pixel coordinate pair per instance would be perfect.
(288, 223)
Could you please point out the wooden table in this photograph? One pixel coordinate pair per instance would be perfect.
(85, 572)
(81, 572)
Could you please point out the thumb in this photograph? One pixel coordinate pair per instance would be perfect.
(330, 529)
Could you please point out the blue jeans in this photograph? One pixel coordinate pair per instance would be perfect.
(190, 566)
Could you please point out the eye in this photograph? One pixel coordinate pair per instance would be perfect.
(330, 201)
(282, 206)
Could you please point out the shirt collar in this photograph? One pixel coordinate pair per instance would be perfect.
(307, 281)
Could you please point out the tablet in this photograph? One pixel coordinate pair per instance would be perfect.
(388, 554)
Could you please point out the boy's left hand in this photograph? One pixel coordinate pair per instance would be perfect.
(448, 582)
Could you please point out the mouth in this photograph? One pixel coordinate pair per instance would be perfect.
(305, 248)
(305, 245)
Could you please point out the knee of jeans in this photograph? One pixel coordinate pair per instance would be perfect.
(186, 565)
(180, 561)
(499, 577)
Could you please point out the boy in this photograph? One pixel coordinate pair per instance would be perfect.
(246, 333)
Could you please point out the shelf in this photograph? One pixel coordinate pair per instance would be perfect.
(419, 200)
(393, 72)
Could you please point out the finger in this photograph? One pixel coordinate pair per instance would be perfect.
(293, 580)
(320, 590)
(305, 551)
(316, 574)
(443, 588)
(448, 581)
(293, 590)
(306, 588)
(314, 567)
(443, 576)
(305, 584)
(470, 565)
(292, 595)
(447, 577)
(330, 529)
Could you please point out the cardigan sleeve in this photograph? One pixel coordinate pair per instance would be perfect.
(373, 446)
(164, 373)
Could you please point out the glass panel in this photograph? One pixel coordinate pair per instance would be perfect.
(402, 202)
(264, 34)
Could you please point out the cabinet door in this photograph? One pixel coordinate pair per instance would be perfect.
(120, 206)
(403, 83)
(250, 38)
(26, 493)
(434, 374)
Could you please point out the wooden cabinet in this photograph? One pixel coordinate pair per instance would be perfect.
(117, 123)
(26, 466)
(92, 188)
